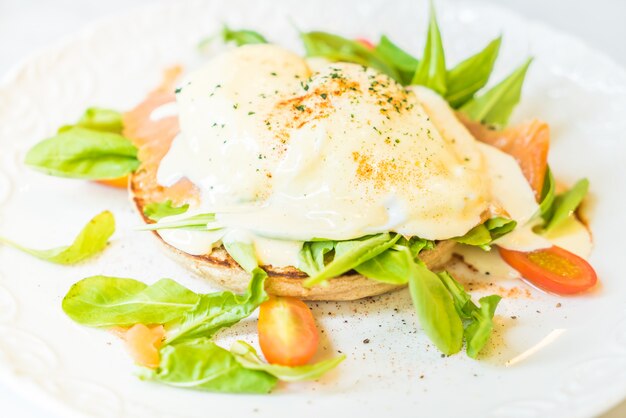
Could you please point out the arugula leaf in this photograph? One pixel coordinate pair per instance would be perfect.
(337, 48)
(484, 234)
(333, 47)
(478, 236)
(566, 203)
(159, 210)
(247, 356)
(100, 119)
(405, 63)
(312, 256)
(386, 267)
(547, 195)
(203, 365)
(417, 245)
(390, 266)
(243, 253)
(434, 307)
(84, 153)
(472, 74)
(90, 241)
(350, 254)
(495, 106)
(431, 70)
(101, 301)
(499, 226)
(242, 37)
(462, 300)
(477, 333)
(197, 222)
(479, 319)
(219, 310)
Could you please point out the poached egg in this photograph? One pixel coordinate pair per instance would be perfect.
(288, 150)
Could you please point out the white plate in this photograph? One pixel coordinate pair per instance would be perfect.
(83, 372)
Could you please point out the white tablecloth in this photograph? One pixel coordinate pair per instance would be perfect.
(29, 25)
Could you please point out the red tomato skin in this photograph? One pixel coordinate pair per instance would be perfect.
(580, 277)
(287, 332)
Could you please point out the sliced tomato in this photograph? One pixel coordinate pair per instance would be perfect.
(142, 342)
(553, 269)
(528, 143)
(366, 43)
(287, 331)
(121, 182)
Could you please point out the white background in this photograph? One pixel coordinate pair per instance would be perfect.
(29, 25)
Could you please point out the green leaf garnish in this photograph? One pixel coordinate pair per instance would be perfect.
(84, 153)
(478, 236)
(92, 149)
(242, 36)
(499, 226)
(103, 120)
(390, 266)
(431, 70)
(197, 222)
(247, 356)
(90, 241)
(495, 106)
(203, 365)
(101, 301)
(479, 330)
(338, 48)
(462, 300)
(566, 203)
(458, 85)
(472, 74)
(417, 245)
(479, 320)
(243, 253)
(484, 234)
(312, 256)
(441, 302)
(548, 192)
(219, 310)
(350, 254)
(159, 210)
(435, 309)
(405, 63)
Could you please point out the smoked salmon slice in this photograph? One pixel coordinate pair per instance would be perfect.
(528, 143)
(142, 342)
(153, 139)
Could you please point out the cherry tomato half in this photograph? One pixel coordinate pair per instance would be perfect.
(553, 269)
(287, 331)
